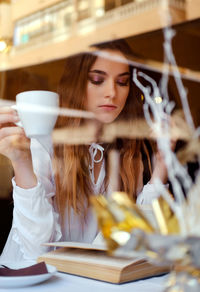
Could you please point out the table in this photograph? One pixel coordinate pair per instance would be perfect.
(62, 282)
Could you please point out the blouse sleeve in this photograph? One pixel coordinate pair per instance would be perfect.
(35, 220)
(148, 193)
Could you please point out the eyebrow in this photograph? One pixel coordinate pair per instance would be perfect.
(104, 73)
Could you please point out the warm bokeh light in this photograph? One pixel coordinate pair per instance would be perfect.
(3, 46)
(158, 99)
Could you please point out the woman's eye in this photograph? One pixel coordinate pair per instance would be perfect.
(123, 82)
(97, 80)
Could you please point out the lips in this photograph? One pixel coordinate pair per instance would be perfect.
(107, 107)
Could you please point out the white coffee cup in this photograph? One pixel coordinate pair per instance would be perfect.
(38, 111)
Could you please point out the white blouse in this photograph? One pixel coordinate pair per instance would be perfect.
(35, 220)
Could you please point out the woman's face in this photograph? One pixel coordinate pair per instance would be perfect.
(108, 86)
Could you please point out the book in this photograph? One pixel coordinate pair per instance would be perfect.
(92, 261)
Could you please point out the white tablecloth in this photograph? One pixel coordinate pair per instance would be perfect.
(62, 282)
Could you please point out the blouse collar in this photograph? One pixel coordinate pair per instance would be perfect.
(94, 148)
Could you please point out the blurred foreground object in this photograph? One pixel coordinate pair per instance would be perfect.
(160, 238)
(118, 217)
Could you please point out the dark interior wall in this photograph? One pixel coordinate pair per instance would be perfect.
(185, 44)
(39, 77)
(186, 49)
(6, 201)
(6, 210)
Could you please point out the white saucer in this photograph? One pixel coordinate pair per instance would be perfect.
(23, 281)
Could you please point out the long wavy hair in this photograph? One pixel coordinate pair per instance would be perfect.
(73, 182)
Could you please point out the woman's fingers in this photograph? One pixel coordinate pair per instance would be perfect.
(15, 147)
(10, 131)
(8, 115)
(7, 109)
(8, 118)
(13, 142)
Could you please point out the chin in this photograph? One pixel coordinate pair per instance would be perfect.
(106, 119)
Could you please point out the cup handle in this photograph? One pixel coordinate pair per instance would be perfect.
(14, 106)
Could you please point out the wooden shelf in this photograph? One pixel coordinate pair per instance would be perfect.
(113, 26)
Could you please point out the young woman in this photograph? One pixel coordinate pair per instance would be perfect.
(93, 82)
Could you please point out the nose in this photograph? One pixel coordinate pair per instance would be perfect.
(110, 90)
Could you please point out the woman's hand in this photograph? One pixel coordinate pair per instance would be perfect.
(159, 169)
(11, 136)
(16, 146)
